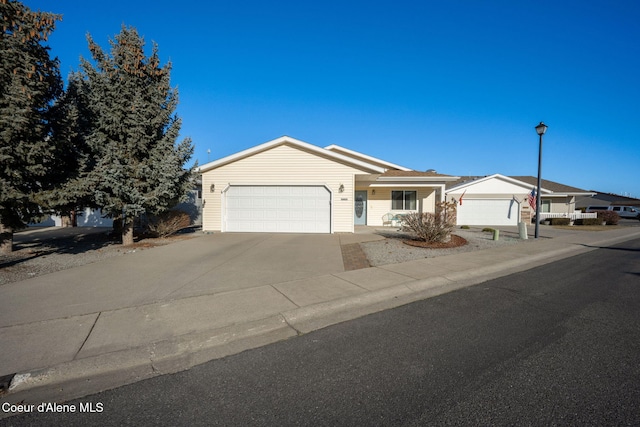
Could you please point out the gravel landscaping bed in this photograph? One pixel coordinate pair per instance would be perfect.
(392, 250)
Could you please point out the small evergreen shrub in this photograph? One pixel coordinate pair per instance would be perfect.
(610, 217)
(168, 223)
(465, 227)
(560, 221)
(487, 230)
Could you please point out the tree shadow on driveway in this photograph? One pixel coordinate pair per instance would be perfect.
(34, 243)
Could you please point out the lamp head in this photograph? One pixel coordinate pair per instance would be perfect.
(541, 128)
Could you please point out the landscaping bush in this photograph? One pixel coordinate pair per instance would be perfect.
(589, 221)
(465, 227)
(487, 230)
(168, 223)
(432, 227)
(560, 221)
(610, 217)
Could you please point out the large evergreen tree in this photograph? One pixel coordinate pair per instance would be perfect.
(29, 84)
(71, 189)
(139, 167)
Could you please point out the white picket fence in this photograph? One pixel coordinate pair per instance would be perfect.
(571, 216)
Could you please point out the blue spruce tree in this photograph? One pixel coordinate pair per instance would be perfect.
(30, 83)
(139, 168)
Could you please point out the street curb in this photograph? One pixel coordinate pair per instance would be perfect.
(82, 377)
(318, 316)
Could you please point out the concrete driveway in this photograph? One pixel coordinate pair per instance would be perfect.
(144, 296)
(204, 265)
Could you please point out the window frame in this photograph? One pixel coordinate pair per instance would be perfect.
(545, 206)
(406, 202)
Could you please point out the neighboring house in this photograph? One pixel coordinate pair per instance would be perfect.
(288, 185)
(86, 218)
(605, 199)
(193, 204)
(502, 200)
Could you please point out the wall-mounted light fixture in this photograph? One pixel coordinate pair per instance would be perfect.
(341, 188)
(212, 188)
(373, 192)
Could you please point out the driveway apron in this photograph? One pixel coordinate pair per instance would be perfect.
(204, 265)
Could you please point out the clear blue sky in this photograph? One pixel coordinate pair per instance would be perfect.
(457, 86)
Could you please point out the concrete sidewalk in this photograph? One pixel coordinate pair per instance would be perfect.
(64, 345)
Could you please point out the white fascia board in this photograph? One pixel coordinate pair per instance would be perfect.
(296, 142)
(405, 185)
(488, 177)
(418, 178)
(354, 154)
(552, 194)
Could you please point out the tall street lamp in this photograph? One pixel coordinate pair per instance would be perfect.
(540, 129)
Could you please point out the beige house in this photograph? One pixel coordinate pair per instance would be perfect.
(288, 185)
(502, 200)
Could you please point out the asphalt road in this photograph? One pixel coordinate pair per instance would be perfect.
(556, 345)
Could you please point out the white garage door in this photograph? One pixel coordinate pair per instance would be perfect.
(278, 209)
(488, 212)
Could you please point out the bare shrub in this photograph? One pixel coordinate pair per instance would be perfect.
(610, 217)
(432, 227)
(168, 223)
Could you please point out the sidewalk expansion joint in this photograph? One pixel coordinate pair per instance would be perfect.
(283, 294)
(298, 332)
(75, 356)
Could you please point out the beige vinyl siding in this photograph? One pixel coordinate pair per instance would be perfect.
(562, 204)
(379, 204)
(282, 165)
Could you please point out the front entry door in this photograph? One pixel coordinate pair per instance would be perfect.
(360, 208)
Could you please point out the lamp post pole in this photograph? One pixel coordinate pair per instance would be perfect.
(540, 129)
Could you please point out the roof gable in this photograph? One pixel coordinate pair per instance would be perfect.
(296, 143)
(500, 184)
(492, 184)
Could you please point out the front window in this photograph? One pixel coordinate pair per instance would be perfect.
(546, 206)
(403, 200)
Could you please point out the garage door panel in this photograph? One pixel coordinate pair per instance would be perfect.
(285, 209)
(488, 212)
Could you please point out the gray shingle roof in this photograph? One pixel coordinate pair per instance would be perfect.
(555, 187)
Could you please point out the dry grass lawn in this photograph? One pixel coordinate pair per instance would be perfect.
(585, 227)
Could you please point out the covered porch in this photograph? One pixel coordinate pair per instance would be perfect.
(382, 199)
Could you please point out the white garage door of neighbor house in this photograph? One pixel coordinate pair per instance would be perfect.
(488, 212)
(278, 209)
